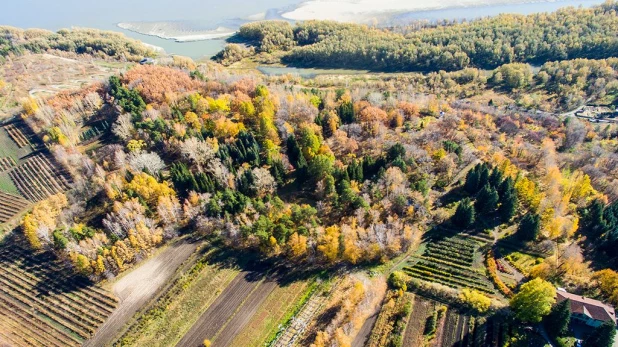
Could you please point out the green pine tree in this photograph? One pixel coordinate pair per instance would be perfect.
(602, 336)
(486, 200)
(509, 206)
(557, 321)
(529, 227)
(464, 215)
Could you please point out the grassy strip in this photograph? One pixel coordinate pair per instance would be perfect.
(269, 317)
(292, 312)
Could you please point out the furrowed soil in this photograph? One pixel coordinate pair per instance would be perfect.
(421, 309)
(224, 308)
(139, 286)
(265, 322)
(243, 316)
(168, 321)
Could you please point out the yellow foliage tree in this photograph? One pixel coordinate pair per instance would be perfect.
(297, 245)
(193, 120)
(608, 284)
(30, 107)
(328, 244)
(43, 213)
(136, 145)
(475, 299)
(149, 189)
(29, 226)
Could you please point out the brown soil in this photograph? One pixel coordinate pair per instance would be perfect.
(223, 310)
(244, 314)
(416, 324)
(139, 286)
(365, 330)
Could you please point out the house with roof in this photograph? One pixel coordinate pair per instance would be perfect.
(585, 310)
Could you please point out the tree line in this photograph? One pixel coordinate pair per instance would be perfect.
(486, 43)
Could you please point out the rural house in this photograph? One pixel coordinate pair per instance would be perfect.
(588, 311)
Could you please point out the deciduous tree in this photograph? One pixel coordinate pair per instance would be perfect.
(534, 300)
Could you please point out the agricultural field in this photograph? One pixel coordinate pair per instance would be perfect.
(172, 316)
(275, 312)
(11, 154)
(421, 310)
(11, 205)
(28, 173)
(42, 306)
(390, 325)
(37, 178)
(455, 331)
(232, 309)
(453, 261)
(521, 261)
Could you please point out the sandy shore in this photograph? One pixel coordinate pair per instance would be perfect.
(367, 10)
(177, 31)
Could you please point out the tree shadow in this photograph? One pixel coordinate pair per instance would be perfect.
(42, 271)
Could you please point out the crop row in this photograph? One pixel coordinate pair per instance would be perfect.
(23, 323)
(464, 252)
(10, 205)
(445, 262)
(6, 163)
(36, 179)
(77, 289)
(53, 310)
(449, 255)
(468, 247)
(38, 282)
(447, 281)
(16, 135)
(463, 273)
(92, 309)
(458, 276)
(460, 241)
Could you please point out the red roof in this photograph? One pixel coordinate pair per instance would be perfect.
(594, 309)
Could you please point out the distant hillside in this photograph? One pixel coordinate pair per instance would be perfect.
(569, 33)
(100, 44)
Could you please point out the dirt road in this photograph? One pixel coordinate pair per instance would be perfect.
(231, 311)
(365, 330)
(139, 286)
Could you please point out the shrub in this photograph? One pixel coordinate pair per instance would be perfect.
(493, 274)
(475, 300)
(397, 280)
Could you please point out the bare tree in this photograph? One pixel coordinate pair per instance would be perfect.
(123, 127)
(149, 161)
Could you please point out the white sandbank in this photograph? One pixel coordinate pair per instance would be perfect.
(366, 10)
(177, 31)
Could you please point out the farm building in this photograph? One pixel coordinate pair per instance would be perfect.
(588, 311)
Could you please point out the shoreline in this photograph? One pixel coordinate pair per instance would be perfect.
(363, 11)
(174, 32)
(350, 11)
